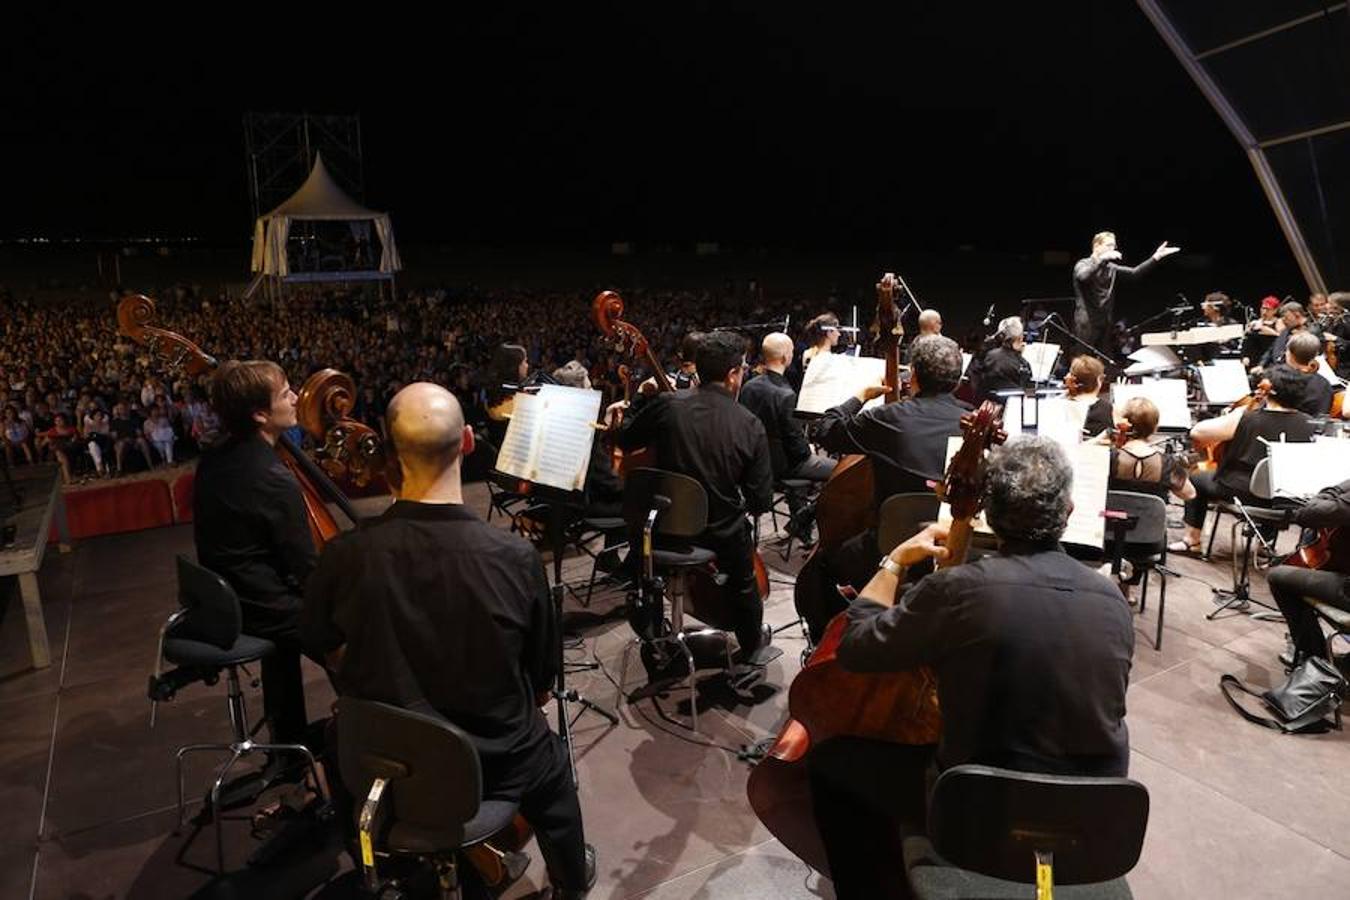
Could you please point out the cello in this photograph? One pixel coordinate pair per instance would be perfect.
(607, 313)
(845, 506)
(827, 701)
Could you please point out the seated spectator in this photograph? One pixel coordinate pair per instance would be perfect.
(97, 433)
(18, 436)
(159, 431)
(127, 433)
(58, 440)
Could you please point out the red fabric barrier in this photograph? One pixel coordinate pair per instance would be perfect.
(182, 496)
(130, 506)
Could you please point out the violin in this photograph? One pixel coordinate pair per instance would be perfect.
(827, 701)
(135, 313)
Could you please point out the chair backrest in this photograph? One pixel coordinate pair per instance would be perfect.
(1149, 531)
(687, 515)
(435, 780)
(902, 516)
(1260, 483)
(213, 613)
(993, 821)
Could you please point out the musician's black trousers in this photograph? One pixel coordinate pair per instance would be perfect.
(735, 558)
(867, 796)
(549, 803)
(1289, 585)
(282, 683)
(814, 468)
(1208, 490)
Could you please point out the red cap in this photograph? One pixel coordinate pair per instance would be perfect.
(1270, 303)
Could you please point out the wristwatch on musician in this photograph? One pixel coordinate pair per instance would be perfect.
(892, 566)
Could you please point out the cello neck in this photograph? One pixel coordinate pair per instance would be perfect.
(958, 543)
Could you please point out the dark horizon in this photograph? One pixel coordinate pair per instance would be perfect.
(930, 128)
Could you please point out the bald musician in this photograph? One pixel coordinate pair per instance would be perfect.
(770, 397)
(430, 609)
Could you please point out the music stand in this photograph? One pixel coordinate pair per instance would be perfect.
(557, 502)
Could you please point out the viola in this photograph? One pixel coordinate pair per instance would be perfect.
(827, 701)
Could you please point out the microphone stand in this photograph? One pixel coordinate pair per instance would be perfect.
(1051, 321)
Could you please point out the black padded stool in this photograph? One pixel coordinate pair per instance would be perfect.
(202, 639)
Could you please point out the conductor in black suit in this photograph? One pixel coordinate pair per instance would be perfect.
(1094, 285)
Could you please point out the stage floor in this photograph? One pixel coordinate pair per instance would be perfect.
(87, 788)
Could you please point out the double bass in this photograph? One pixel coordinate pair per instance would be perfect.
(330, 398)
(607, 313)
(845, 505)
(348, 450)
(827, 701)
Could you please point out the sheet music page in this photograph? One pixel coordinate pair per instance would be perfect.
(1303, 469)
(1091, 464)
(1215, 334)
(1324, 369)
(562, 453)
(1017, 416)
(1062, 419)
(1224, 381)
(1091, 475)
(514, 457)
(1042, 358)
(832, 378)
(965, 361)
(1153, 359)
(1168, 394)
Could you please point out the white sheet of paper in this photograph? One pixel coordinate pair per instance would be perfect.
(1090, 477)
(1091, 464)
(1041, 358)
(1062, 420)
(1303, 469)
(1190, 337)
(1168, 394)
(1153, 359)
(513, 457)
(548, 440)
(1224, 381)
(1324, 369)
(965, 361)
(832, 378)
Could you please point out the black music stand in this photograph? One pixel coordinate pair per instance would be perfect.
(557, 502)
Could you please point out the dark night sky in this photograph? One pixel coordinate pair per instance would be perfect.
(932, 124)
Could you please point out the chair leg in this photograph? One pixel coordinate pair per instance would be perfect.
(1162, 608)
(299, 750)
(215, 808)
(1143, 591)
(693, 684)
(183, 751)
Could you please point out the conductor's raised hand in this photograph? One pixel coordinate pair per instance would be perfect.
(1165, 251)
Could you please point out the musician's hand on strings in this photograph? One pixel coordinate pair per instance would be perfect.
(1165, 251)
(871, 392)
(613, 413)
(648, 387)
(924, 545)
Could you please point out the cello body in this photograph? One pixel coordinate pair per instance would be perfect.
(826, 701)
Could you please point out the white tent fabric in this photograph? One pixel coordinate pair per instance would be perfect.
(319, 199)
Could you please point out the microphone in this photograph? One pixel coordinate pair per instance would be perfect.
(989, 315)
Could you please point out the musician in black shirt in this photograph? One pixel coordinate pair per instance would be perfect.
(1294, 318)
(1243, 431)
(1301, 365)
(1290, 585)
(1032, 652)
(907, 444)
(250, 527)
(770, 397)
(430, 609)
(1002, 367)
(705, 434)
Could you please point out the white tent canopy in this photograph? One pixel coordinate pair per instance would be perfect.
(319, 199)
